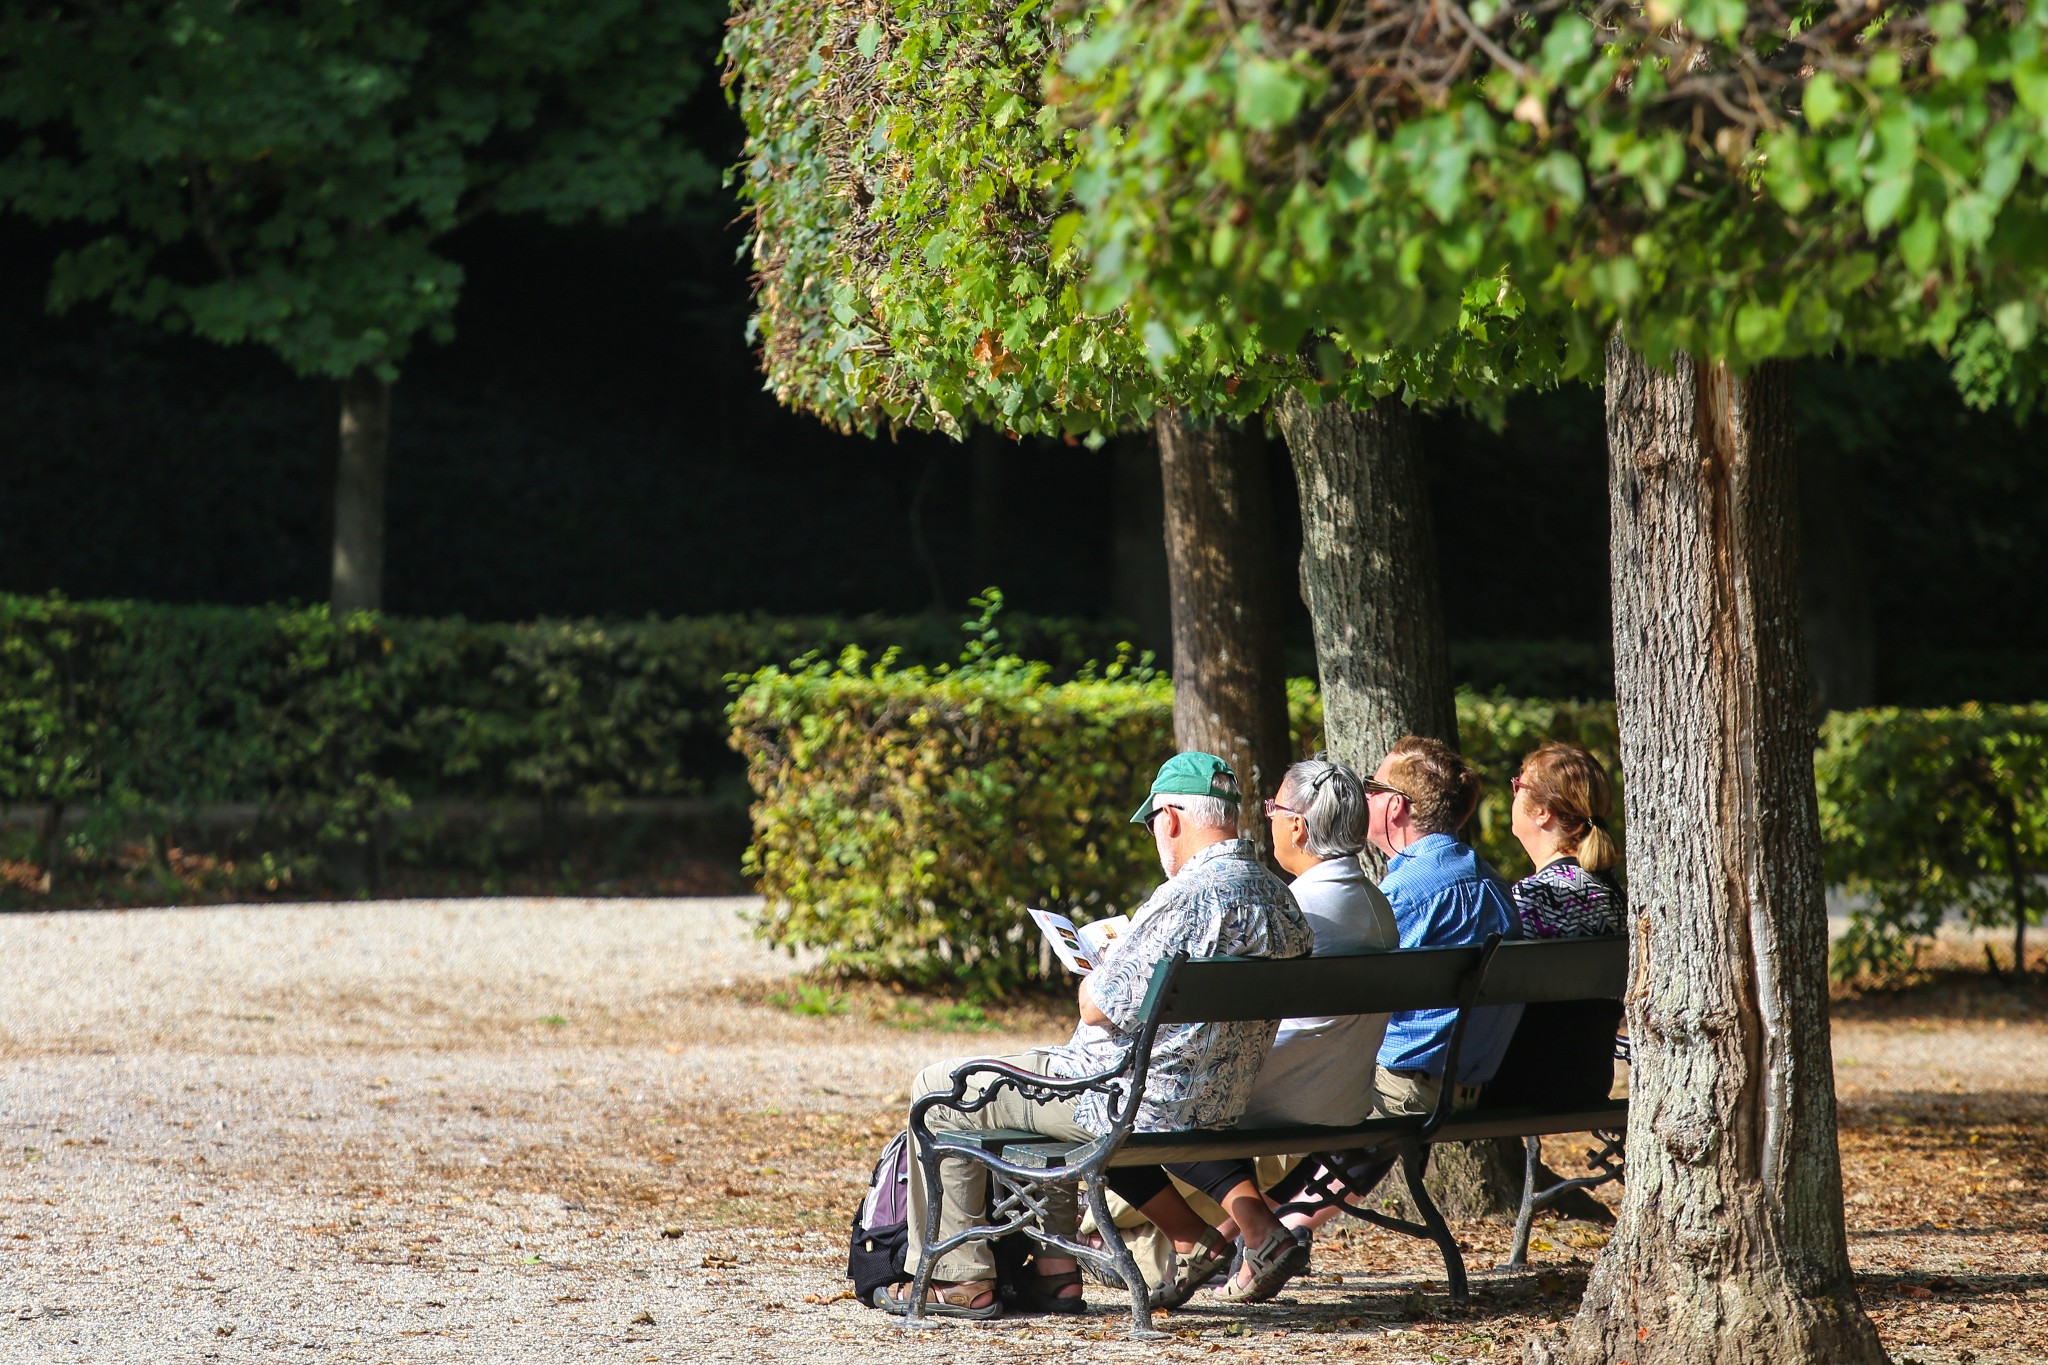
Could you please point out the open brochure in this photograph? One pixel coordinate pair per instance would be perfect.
(1081, 949)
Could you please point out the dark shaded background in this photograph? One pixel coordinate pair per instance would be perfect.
(596, 441)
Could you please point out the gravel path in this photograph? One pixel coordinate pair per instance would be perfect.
(511, 1130)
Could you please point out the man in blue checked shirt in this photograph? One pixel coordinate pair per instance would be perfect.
(1443, 895)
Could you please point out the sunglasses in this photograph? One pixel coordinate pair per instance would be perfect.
(1157, 807)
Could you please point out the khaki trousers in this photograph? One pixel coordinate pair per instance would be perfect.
(963, 1185)
(1401, 1092)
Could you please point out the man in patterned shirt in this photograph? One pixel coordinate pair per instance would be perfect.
(1218, 899)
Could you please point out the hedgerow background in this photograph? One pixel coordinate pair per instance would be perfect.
(909, 801)
(906, 817)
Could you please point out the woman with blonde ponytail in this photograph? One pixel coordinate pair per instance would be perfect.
(1562, 803)
(1563, 1051)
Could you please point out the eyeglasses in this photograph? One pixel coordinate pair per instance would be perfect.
(1375, 787)
(1273, 807)
(1157, 807)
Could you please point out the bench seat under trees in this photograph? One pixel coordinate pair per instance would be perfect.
(1024, 1165)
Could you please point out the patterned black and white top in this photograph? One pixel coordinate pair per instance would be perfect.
(1222, 901)
(1563, 900)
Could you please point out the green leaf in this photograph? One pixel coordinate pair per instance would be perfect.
(1969, 219)
(1884, 200)
(1759, 330)
(1223, 243)
(1822, 99)
(1560, 171)
(1269, 94)
(1092, 54)
(869, 38)
(1784, 171)
(1917, 243)
(2030, 83)
(1159, 342)
(2015, 321)
(1063, 229)
(1568, 42)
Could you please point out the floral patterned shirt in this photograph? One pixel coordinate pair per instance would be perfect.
(1222, 902)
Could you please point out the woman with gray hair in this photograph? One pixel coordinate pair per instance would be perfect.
(1315, 1074)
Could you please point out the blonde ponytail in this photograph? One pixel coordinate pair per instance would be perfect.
(1596, 851)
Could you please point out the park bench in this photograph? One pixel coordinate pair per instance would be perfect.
(1025, 1166)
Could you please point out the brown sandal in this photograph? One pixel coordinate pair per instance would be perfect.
(1041, 1292)
(1272, 1264)
(1192, 1271)
(943, 1300)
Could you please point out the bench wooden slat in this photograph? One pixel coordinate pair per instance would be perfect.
(1206, 1144)
(1216, 989)
(1476, 1124)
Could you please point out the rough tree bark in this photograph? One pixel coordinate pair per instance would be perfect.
(1229, 684)
(1368, 573)
(1730, 1245)
(358, 575)
(1369, 576)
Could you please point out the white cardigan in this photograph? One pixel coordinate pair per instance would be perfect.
(1320, 1070)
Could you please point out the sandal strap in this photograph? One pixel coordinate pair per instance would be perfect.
(961, 1295)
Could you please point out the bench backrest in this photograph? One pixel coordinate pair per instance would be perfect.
(1214, 989)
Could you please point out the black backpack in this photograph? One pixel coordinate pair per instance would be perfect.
(880, 1243)
(881, 1225)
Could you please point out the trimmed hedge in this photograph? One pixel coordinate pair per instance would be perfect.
(905, 818)
(145, 712)
(908, 817)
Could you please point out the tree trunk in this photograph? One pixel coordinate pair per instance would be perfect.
(1730, 1245)
(1368, 572)
(1142, 594)
(50, 845)
(1369, 575)
(1229, 688)
(358, 582)
(2016, 871)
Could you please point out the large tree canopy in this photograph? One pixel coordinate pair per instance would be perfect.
(915, 238)
(915, 268)
(1739, 181)
(282, 173)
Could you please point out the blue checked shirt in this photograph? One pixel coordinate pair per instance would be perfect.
(1445, 895)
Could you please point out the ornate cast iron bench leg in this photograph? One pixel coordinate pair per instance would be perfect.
(1414, 1162)
(1607, 1159)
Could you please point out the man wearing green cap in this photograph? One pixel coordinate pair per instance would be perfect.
(1218, 899)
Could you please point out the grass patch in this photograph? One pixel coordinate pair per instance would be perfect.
(811, 999)
(955, 1016)
(823, 996)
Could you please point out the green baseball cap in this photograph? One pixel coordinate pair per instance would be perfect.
(1190, 774)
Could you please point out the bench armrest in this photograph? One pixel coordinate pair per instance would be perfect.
(1032, 1085)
